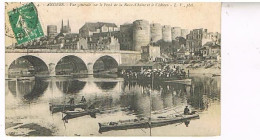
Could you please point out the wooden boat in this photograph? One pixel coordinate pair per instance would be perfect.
(63, 107)
(145, 123)
(75, 114)
(91, 112)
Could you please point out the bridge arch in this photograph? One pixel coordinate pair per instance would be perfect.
(106, 63)
(27, 65)
(70, 64)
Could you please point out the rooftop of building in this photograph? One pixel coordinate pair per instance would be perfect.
(92, 26)
(211, 44)
(106, 34)
(67, 35)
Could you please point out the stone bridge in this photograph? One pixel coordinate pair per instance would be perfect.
(48, 59)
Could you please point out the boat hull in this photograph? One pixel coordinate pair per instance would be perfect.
(104, 127)
(76, 114)
(60, 107)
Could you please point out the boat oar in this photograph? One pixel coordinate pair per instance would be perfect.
(178, 113)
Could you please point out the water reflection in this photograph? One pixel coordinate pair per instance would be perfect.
(134, 95)
(141, 100)
(28, 90)
(204, 90)
(106, 85)
(70, 86)
(12, 87)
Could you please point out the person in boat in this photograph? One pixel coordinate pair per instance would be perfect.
(71, 101)
(83, 100)
(186, 111)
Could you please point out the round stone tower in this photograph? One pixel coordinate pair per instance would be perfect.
(51, 30)
(166, 33)
(176, 32)
(156, 32)
(141, 34)
(184, 32)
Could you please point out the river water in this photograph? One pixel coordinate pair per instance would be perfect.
(27, 106)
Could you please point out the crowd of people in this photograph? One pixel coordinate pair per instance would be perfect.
(165, 73)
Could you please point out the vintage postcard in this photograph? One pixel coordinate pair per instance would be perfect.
(112, 69)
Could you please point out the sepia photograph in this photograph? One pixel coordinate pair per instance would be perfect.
(112, 69)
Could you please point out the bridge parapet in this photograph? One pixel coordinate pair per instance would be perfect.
(67, 51)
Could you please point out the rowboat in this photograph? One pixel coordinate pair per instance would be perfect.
(145, 122)
(91, 112)
(63, 107)
(75, 114)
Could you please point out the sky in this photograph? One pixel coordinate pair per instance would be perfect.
(184, 15)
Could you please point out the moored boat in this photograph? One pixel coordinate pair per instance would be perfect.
(63, 107)
(145, 122)
(75, 114)
(91, 112)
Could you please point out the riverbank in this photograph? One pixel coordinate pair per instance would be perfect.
(28, 126)
(27, 129)
(204, 71)
(200, 69)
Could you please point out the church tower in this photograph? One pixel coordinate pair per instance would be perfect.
(65, 28)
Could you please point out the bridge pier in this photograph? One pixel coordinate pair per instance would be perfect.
(90, 68)
(52, 69)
